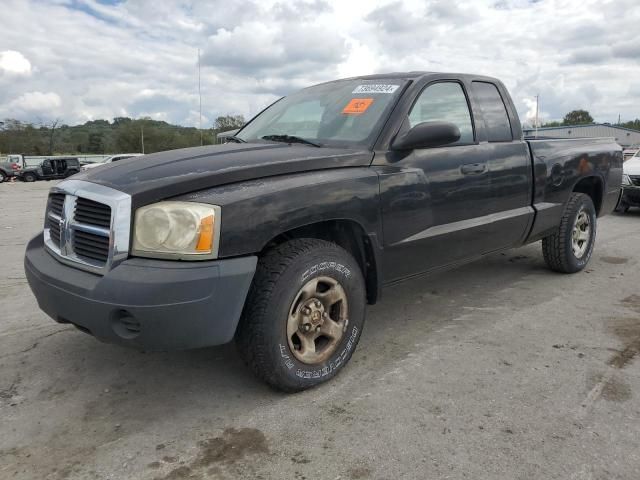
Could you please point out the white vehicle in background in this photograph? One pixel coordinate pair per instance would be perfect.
(112, 158)
(630, 196)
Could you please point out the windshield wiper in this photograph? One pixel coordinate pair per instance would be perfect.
(289, 139)
(233, 138)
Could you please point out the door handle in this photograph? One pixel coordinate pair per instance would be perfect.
(473, 168)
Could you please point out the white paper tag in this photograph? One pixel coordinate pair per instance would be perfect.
(375, 88)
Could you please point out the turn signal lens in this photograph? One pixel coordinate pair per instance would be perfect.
(205, 239)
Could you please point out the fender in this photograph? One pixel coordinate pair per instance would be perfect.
(256, 211)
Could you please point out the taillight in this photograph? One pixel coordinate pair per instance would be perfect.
(15, 166)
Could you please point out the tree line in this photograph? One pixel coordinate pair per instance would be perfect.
(123, 134)
(583, 117)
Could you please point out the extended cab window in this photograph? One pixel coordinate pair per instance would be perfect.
(444, 102)
(494, 112)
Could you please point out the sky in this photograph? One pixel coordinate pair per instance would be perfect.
(79, 60)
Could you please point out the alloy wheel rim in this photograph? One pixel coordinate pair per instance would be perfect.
(581, 234)
(317, 320)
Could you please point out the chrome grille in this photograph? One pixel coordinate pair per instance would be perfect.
(87, 225)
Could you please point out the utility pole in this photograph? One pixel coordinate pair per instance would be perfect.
(200, 98)
(537, 100)
(142, 136)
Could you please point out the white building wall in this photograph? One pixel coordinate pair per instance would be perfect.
(623, 136)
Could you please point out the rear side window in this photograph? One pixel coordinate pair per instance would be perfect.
(444, 102)
(494, 112)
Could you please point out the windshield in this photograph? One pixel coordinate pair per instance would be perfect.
(341, 113)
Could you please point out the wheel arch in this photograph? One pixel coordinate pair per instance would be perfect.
(593, 186)
(348, 234)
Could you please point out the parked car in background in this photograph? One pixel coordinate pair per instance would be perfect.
(8, 170)
(630, 184)
(113, 158)
(280, 239)
(51, 169)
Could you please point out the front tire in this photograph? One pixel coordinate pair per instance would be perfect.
(570, 248)
(3, 177)
(304, 314)
(29, 177)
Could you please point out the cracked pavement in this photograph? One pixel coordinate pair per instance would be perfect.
(499, 369)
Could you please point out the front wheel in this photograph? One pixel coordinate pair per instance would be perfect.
(303, 315)
(29, 177)
(570, 248)
(3, 177)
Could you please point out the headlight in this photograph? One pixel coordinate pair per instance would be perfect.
(626, 180)
(179, 230)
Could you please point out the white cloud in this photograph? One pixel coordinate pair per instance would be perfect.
(14, 62)
(37, 102)
(138, 57)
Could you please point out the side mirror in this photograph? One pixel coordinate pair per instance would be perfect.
(427, 134)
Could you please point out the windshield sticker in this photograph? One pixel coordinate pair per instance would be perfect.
(357, 106)
(377, 88)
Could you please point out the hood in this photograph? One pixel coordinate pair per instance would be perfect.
(89, 166)
(632, 166)
(162, 175)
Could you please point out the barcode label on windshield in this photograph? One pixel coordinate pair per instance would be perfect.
(376, 88)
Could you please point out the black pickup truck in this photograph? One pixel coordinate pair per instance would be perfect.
(51, 169)
(280, 238)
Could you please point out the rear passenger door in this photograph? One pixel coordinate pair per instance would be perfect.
(509, 165)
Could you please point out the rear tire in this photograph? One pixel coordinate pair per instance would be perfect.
(303, 315)
(3, 177)
(570, 248)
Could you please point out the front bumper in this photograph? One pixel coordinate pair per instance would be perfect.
(631, 195)
(144, 303)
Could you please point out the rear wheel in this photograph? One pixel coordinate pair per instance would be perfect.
(29, 177)
(303, 315)
(3, 177)
(570, 248)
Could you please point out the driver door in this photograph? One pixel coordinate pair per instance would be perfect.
(432, 205)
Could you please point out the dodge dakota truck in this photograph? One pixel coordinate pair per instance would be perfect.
(281, 237)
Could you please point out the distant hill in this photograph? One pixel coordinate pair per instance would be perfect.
(99, 137)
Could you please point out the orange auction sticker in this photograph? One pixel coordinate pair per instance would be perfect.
(357, 106)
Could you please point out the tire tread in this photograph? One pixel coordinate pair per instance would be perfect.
(250, 336)
(554, 248)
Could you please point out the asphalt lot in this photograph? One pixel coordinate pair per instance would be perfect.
(500, 369)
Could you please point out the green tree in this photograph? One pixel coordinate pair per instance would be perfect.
(96, 144)
(577, 117)
(228, 122)
(633, 124)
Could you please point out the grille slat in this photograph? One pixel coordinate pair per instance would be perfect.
(89, 245)
(56, 206)
(92, 213)
(56, 203)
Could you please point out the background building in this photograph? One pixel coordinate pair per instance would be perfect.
(624, 136)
